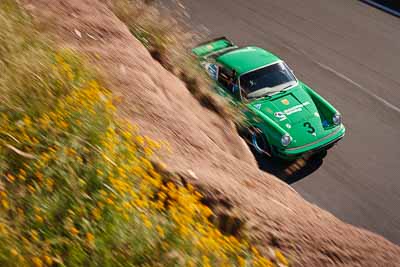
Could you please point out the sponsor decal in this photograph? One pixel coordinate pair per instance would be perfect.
(285, 102)
(283, 115)
(209, 47)
(280, 115)
(257, 106)
(288, 126)
(268, 110)
(296, 108)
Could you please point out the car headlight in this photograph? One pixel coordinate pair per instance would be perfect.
(286, 140)
(337, 119)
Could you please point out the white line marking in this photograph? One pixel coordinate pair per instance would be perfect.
(344, 77)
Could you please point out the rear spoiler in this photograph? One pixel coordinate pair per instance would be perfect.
(212, 46)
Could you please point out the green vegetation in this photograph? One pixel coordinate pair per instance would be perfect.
(77, 187)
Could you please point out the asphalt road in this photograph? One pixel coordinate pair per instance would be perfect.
(349, 52)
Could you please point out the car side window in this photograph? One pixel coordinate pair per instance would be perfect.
(226, 78)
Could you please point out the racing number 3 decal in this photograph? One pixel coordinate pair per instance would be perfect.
(311, 129)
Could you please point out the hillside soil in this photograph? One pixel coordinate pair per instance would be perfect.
(205, 149)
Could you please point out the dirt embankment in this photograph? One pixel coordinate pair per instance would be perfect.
(206, 150)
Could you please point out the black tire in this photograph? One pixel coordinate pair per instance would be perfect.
(260, 142)
(320, 154)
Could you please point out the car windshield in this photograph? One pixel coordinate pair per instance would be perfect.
(268, 80)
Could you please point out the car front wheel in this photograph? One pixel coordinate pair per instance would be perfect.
(260, 143)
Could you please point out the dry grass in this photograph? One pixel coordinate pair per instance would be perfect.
(170, 41)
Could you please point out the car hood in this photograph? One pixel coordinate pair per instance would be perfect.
(290, 107)
(295, 112)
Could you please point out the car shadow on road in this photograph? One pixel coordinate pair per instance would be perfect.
(292, 171)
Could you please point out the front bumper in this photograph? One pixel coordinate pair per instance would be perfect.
(319, 145)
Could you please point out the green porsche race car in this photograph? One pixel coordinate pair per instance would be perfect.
(285, 118)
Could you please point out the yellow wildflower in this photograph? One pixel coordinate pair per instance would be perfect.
(165, 245)
(127, 134)
(21, 177)
(31, 189)
(14, 252)
(63, 124)
(281, 258)
(27, 121)
(82, 182)
(90, 238)
(190, 263)
(109, 201)
(3, 229)
(52, 150)
(44, 122)
(207, 212)
(96, 212)
(255, 251)
(49, 184)
(34, 235)
(10, 178)
(38, 218)
(37, 262)
(71, 152)
(22, 172)
(48, 260)
(206, 261)
(74, 231)
(263, 262)
(39, 175)
(126, 205)
(140, 140)
(35, 141)
(160, 231)
(241, 261)
(5, 204)
(146, 220)
(147, 223)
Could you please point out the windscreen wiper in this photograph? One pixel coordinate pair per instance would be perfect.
(290, 85)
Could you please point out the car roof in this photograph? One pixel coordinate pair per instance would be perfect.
(246, 59)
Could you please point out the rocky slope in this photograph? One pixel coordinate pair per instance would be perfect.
(205, 149)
